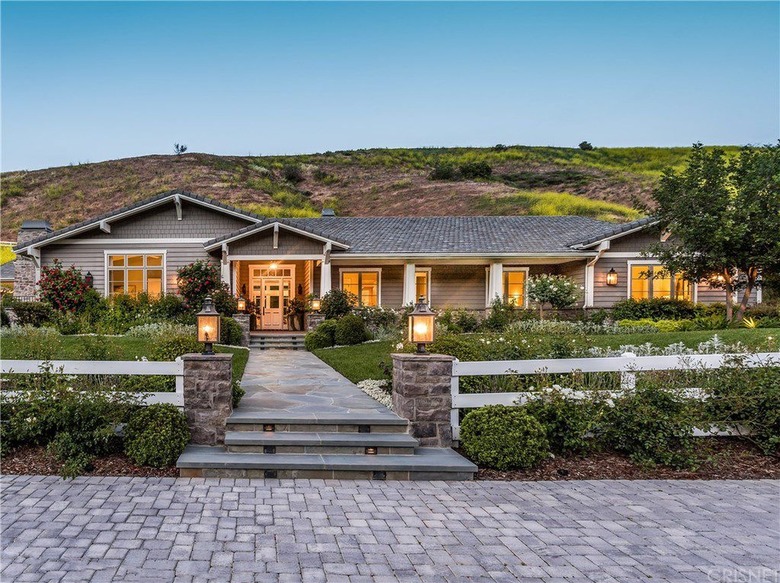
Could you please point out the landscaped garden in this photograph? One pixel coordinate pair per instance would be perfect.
(95, 423)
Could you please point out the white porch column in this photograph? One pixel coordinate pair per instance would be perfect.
(410, 284)
(495, 282)
(325, 275)
(590, 283)
(225, 266)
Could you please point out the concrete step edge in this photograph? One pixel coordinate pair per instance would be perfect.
(237, 438)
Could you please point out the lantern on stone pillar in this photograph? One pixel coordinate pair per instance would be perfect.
(421, 322)
(208, 326)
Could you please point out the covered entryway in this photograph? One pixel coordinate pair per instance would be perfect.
(272, 287)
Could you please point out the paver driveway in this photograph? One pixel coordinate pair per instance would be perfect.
(135, 529)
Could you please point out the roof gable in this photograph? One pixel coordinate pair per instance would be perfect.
(275, 225)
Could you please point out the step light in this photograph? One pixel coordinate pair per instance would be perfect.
(370, 450)
(364, 429)
(269, 474)
(268, 427)
(380, 476)
(269, 449)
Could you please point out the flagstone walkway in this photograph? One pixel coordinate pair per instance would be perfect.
(220, 530)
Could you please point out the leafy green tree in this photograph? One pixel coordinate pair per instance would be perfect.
(724, 220)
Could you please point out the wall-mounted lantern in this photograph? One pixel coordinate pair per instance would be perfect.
(612, 277)
(89, 279)
(241, 304)
(421, 322)
(208, 326)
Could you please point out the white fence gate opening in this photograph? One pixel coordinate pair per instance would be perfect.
(107, 367)
(627, 365)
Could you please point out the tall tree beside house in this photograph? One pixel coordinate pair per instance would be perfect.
(724, 218)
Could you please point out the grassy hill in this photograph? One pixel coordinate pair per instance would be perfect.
(605, 183)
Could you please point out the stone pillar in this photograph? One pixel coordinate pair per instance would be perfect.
(313, 320)
(208, 397)
(244, 320)
(421, 394)
(26, 273)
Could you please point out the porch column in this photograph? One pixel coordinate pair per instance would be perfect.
(495, 282)
(325, 277)
(225, 266)
(410, 284)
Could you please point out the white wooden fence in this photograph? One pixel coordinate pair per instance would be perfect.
(108, 367)
(627, 365)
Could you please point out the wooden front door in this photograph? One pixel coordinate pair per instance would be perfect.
(271, 294)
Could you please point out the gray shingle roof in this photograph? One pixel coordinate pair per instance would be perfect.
(472, 235)
(615, 230)
(140, 203)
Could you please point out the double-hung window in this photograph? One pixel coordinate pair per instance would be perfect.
(363, 284)
(653, 281)
(135, 273)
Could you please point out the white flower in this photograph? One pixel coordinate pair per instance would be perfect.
(399, 346)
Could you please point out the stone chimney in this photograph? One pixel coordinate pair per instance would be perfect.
(24, 267)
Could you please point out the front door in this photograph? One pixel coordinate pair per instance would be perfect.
(273, 304)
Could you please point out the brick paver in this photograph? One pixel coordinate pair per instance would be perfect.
(135, 529)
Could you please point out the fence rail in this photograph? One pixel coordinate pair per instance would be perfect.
(628, 365)
(107, 367)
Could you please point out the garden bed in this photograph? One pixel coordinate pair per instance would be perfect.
(35, 460)
(721, 459)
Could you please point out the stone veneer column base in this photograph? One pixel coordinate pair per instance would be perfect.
(421, 394)
(243, 321)
(208, 396)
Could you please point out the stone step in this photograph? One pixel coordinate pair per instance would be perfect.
(277, 443)
(426, 464)
(316, 422)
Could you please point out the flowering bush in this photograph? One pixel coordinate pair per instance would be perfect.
(64, 289)
(200, 279)
(559, 291)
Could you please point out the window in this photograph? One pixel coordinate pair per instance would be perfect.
(364, 284)
(422, 285)
(653, 281)
(514, 287)
(135, 273)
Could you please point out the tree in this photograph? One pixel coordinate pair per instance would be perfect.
(179, 149)
(724, 220)
(557, 290)
(586, 146)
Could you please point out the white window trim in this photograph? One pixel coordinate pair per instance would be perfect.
(505, 270)
(629, 264)
(429, 291)
(107, 252)
(377, 270)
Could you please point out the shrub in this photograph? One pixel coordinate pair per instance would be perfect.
(323, 336)
(4, 319)
(97, 348)
(585, 146)
(570, 424)
(167, 307)
(379, 318)
(659, 325)
(63, 289)
(196, 281)
(473, 170)
(503, 438)
(653, 426)
(171, 347)
(237, 392)
(458, 321)
(292, 173)
(559, 291)
(156, 435)
(443, 172)
(501, 315)
(156, 329)
(33, 313)
(654, 309)
(229, 332)
(350, 330)
(337, 303)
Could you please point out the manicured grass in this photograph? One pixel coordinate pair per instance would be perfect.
(119, 348)
(365, 361)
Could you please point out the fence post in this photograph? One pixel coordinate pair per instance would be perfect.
(208, 397)
(628, 379)
(421, 394)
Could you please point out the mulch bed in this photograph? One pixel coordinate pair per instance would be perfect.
(34, 460)
(721, 459)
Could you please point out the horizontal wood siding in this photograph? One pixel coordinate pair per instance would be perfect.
(89, 257)
(263, 244)
(576, 271)
(161, 222)
(604, 295)
(638, 241)
(458, 286)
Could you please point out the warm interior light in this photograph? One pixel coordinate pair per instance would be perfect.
(241, 305)
(274, 265)
(316, 304)
(208, 326)
(421, 325)
(420, 329)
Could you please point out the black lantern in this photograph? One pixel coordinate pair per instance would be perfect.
(208, 326)
(241, 304)
(421, 322)
(89, 279)
(612, 277)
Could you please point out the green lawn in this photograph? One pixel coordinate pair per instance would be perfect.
(119, 348)
(372, 360)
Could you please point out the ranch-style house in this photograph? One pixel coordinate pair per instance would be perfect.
(460, 262)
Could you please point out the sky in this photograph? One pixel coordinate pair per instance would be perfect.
(85, 82)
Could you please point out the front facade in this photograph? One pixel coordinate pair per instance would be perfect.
(460, 262)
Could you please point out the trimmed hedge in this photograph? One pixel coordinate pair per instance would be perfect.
(156, 435)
